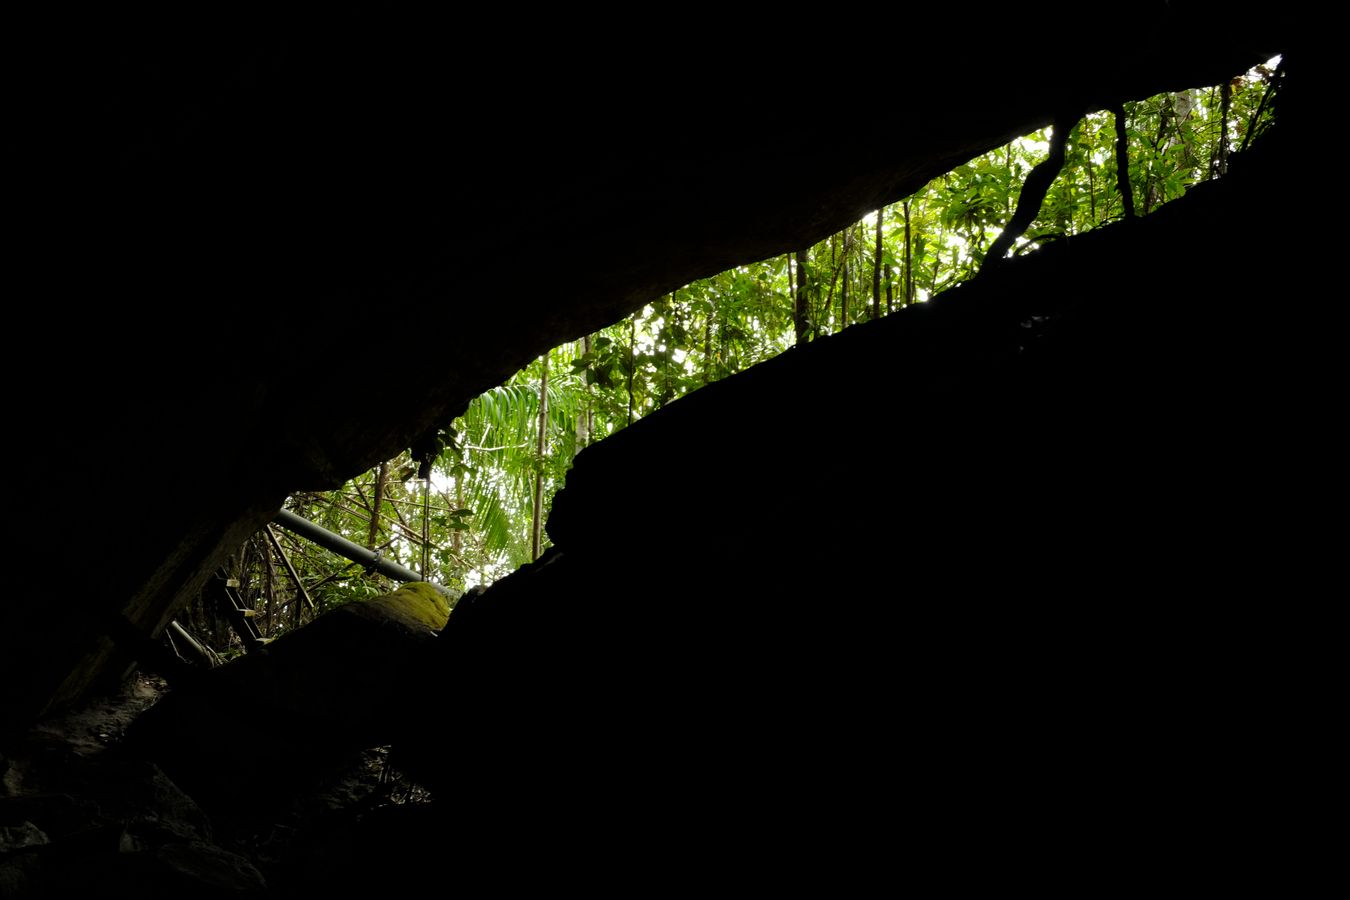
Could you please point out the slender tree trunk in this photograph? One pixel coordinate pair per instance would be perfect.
(1152, 193)
(1007, 194)
(1225, 108)
(632, 362)
(828, 312)
(1213, 169)
(860, 270)
(457, 536)
(836, 263)
(426, 526)
(537, 545)
(724, 349)
(707, 345)
(590, 397)
(297, 610)
(937, 264)
(584, 415)
(843, 290)
(381, 478)
(876, 269)
(890, 291)
(909, 259)
(1183, 105)
(236, 571)
(1272, 85)
(1123, 161)
(668, 314)
(270, 588)
(1092, 191)
(801, 307)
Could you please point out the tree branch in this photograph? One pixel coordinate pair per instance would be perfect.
(1271, 87)
(1034, 190)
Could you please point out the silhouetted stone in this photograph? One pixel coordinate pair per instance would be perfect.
(291, 186)
(271, 724)
(1036, 566)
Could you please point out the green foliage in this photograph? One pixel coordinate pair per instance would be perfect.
(479, 505)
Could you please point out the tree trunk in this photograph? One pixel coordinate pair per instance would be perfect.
(876, 269)
(1272, 85)
(707, 346)
(1152, 192)
(584, 414)
(1225, 108)
(632, 363)
(800, 316)
(537, 544)
(843, 290)
(1182, 106)
(1092, 191)
(381, 478)
(1007, 194)
(937, 264)
(426, 526)
(836, 261)
(668, 314)
(270, 588)
(457, 536)
(1123, 161)
(909, 259)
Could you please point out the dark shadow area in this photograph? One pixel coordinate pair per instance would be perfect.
(1046, 648)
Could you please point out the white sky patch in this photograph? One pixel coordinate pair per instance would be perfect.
(1034, 146)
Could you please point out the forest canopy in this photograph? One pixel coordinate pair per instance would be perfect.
(471, 509)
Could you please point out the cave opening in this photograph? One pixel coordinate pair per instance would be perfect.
(955, 625)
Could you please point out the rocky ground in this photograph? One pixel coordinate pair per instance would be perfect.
(81, 815)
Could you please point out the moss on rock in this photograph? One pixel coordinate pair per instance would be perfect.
(416, 601)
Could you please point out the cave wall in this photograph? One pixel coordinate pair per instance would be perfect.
(992, 583)
(216, 219)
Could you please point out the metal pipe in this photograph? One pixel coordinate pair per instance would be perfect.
(204, 656)
(353, 551)
(286, 561)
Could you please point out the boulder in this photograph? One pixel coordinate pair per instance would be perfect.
(1023, 600)
(273, 722)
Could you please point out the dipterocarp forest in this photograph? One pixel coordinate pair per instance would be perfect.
(762, 465)
(468, 506)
